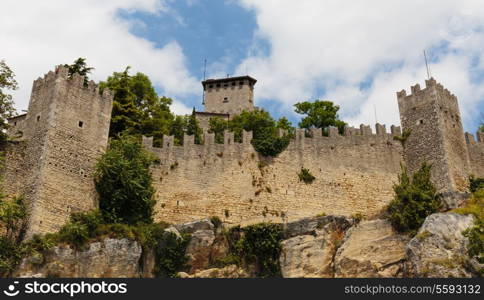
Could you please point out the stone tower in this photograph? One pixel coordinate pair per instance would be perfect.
(63, 134)
(437, 137)
(229, 95)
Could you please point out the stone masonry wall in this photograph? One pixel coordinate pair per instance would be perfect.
(476, 153)
(437, 137)
(239, 96)
(65, 132)
(354, 174)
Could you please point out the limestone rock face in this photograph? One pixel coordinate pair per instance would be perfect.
(439, 248)
(191, 227)
(371, 249)
(107, 258)
(231, 271)
(311, 246)
(199, 250)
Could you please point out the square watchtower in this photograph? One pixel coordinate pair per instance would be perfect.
(437, 137)
(230, 95)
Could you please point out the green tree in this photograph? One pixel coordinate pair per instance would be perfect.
(481, 128)
(415, 199)
(178, 128)
(193, 128)
(80, 67)
(319, 114)
(285, 124)
(218, 126)
(7, 82)
(266, 138)
(123, 182)
(137, 109)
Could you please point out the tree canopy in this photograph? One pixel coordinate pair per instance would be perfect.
(265, 138)
(319, 114)
(7, 83)
(123, 182)
(80, 67)
(137, 108)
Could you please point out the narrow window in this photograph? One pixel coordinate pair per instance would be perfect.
(14, 123)
(38, 118)
(210, 86)
(218, 85)
(233, 83)
(241, 82)
(226, 99)
(81, 124)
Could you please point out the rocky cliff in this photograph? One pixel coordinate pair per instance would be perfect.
(318, 247)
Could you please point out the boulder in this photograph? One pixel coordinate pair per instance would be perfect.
(107, 258)
(307, 226)
(439, 249)
(191, 227)
(371, 249)
(199, 250)
(311, 255)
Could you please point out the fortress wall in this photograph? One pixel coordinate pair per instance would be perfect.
(476, 153)
(66, 131)
(354, 173)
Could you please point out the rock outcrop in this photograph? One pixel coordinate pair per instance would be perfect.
(439, 248)
(107, 258)
(318, 247)
(311, 246)
(371, 249)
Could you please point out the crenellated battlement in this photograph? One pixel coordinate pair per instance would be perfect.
(433, 91)
(77, 81)
(470, 138)
(302, 140)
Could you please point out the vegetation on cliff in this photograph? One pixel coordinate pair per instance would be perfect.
(124, 183)
(475, 207)
(415, 199)
(258, 245)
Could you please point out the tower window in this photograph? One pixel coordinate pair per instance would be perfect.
(14, 123)
(38, 118)
(226, 100)
(81, 124)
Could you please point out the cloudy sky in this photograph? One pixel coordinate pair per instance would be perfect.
(355, 53)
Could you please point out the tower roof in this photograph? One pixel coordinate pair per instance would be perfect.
(229, 79)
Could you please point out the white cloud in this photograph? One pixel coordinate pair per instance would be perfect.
(336, 45)
(37, 35)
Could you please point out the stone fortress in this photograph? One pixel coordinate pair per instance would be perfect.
(53, 149)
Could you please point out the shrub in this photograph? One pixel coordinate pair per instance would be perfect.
(258, 244)
(75, 234)
(306, 176)
(476, 183)
(475, 235)
(170, 254)
(123, 182)
(415, 199)
(216, 221)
